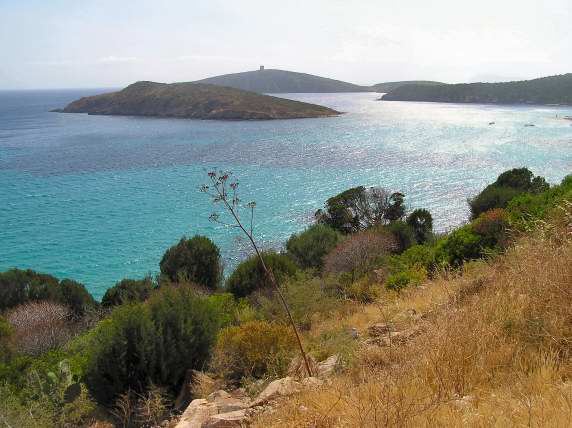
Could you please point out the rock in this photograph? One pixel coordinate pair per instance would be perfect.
(379, 276)
(227, 420)
(278, 388)
(312, 382)
(200, 412)
(354, 333)
(197, 413)
(297, 368)
(328, 366)
(227, 403)
(379, 329)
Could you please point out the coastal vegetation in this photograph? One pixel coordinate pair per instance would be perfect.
(488, 298)
(545, 90)
(195, 101)
(390, 86)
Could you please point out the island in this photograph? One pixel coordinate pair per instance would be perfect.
(195, 101)
(270, 81)
(552, 90)
(390, 86)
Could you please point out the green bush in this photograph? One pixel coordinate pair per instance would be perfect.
(527, 208)
(422, 223)
(459, 246)
(410, 277)
(307, 298)
(250, 276)
(404, 235)
(309, 248)
(20, 286)
(507, 186)
(417, 256)
(227, 308)
(253, 349)
(128, 291)
(155, 342)
(196, 260)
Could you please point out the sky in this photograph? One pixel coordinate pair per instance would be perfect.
(112, 43)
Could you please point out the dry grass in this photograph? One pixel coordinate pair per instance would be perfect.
(494, 349)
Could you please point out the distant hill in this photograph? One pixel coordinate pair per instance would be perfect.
(194, 101)
(546, 90)
(280, 81)
(390, 86)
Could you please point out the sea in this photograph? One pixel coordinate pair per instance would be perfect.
(100, 198)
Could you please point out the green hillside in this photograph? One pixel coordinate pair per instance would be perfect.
(390, 86)
(546, 90)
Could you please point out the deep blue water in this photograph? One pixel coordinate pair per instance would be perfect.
(99, 198)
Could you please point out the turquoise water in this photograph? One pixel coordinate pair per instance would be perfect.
(98, 198)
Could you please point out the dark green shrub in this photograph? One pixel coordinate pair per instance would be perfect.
(459, 246)
(20, 286)
(309, 248)
(507, 186)
(492, 197)
(422, 223)
(250, 276)
(404, 235)
(196, 259)
(128, 291)
(155, 342)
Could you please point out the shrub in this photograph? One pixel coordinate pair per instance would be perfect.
(151, 343)
(403, 233)
(40, 326)
(507, 186)
(227, 308)
(422, 223)
(256, 348)
(309, 248)
(307, 298)
(527, 208)
(363, 290)
(20, 286)
(492, 226)
(128, 291)
(360, 208)
(196, 259)
(6, 334)
(250, 275)
(357, 253)
(400, 280)
(461, 245)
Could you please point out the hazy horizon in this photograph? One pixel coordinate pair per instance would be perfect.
(66, 44)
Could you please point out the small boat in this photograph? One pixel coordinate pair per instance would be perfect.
(491, 123)
(567, 118)
(529, 124)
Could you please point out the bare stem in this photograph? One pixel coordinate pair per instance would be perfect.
(222, 196)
